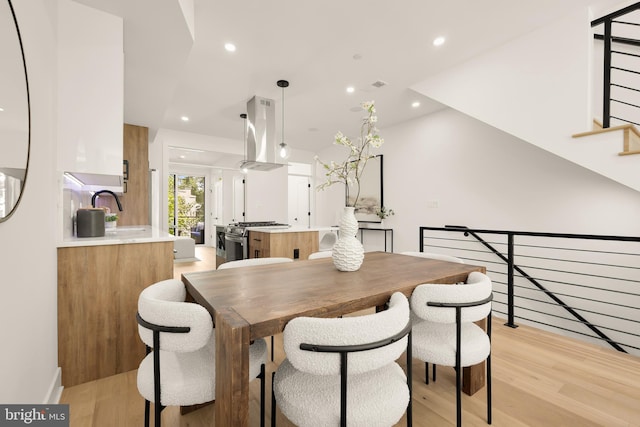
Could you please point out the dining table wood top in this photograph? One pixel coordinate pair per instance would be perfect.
(268, 296)
(253, 302)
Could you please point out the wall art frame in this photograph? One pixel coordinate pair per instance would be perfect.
(371, 191)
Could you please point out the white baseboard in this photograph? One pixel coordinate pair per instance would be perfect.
(55, 389)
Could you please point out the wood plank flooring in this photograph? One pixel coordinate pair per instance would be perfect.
(539, 379)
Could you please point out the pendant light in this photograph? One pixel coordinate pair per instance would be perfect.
(243, 168)
(283, 149)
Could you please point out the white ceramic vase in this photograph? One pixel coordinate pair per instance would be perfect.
(348, 252)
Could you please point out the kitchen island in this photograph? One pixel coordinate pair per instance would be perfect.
(291, 242)
(99, 280)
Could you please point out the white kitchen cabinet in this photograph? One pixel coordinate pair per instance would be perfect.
(238, 195)
(90, 90)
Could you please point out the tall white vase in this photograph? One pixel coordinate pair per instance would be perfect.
(348, 252)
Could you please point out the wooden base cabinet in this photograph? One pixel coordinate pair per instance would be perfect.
(296, 245)
(98, 288)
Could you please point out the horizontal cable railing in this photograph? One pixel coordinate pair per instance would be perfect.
(621, 65)
(585, 285)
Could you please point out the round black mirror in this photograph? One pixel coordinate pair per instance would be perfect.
(15, 117)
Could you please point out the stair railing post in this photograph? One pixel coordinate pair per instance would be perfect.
(510, 287)
(606, 88)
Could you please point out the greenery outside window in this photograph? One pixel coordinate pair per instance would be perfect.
(188, 212)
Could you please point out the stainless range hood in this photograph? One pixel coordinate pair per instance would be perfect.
(261, 148)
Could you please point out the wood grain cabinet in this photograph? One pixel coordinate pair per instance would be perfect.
(98, 288)
(296, 245)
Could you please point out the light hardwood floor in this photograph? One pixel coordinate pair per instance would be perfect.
(539, 379)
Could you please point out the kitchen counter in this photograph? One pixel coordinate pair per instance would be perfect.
(121, 236)
(290, 242)
(282, 229)
(99, 281)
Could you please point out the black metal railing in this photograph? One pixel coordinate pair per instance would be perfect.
(587, 285)
(621, 68)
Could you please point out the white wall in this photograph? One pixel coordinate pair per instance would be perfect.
(538, 88)
(28, 307)
(482, 177)
(267, 195)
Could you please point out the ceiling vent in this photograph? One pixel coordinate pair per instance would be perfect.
(378, 83)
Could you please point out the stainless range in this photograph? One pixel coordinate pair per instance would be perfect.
(236, 237)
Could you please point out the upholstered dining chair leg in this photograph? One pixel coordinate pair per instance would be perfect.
(458, 366)
(426, 372)
(263, 380)
(458, 397)
(489, 389)
(273, 402)
(489, 403)
(410, 380)
(146, 413)
(157, 409)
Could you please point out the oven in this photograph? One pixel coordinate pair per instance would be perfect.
(235, 247)
(236, 238)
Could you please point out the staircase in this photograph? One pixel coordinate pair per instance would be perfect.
(628, 134)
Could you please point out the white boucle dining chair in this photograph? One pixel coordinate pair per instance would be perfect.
(327, 241)
(447, 334)
(414, 319)
(179, 368)
(251, 262)
(341, 371)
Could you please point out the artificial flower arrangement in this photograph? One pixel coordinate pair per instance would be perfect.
(383, 212)
(350, 171)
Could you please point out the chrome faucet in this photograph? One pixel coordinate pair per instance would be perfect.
(115, 196)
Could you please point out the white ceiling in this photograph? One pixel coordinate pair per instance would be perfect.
(310, 44)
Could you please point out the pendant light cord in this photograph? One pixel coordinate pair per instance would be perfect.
(244, 136)
(283, 146)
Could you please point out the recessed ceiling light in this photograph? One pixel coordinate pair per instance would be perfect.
(438, 41)
(1, 109)
(184, 118)
(351, 89)
(230, 47)
(415, 104)
(182, 156)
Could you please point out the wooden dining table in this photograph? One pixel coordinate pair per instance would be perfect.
(255, 302)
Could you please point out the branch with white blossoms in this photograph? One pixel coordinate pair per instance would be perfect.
(350, 171)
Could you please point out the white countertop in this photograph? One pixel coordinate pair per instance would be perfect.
(120, 236)
(293, 229)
